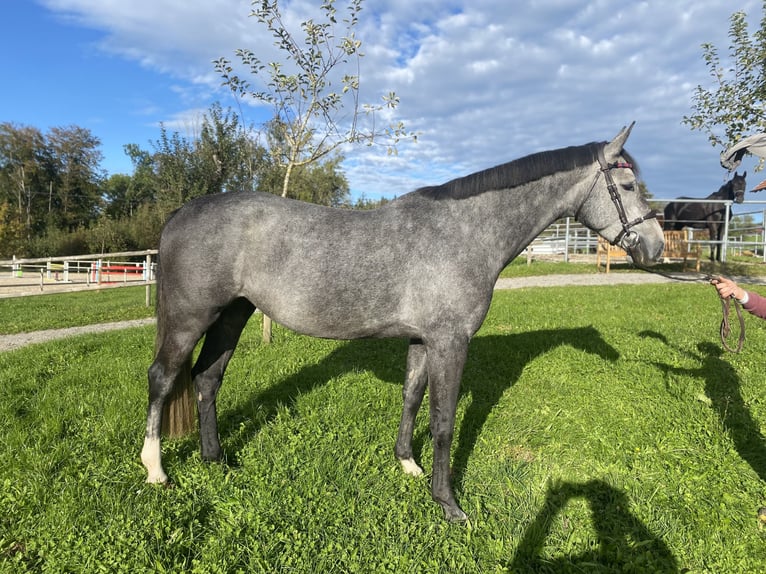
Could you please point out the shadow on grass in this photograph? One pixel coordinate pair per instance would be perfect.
(624, 543)
(722, 387)
(494, 364)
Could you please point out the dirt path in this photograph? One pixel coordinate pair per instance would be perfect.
(10, 342)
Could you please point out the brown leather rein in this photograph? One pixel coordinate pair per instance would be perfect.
(726, 327)
(725, 330)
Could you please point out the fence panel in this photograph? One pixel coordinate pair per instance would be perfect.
(72, 273)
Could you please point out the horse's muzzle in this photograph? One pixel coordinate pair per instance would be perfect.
(646, 253)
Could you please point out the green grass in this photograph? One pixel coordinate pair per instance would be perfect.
(24, 314)
(599, 429)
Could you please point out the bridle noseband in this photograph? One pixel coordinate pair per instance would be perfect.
(626, 238)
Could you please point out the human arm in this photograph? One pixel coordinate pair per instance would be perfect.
(750, 301)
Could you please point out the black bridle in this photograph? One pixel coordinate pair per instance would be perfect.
(626, 238)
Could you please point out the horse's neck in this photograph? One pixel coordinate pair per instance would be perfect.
(724, 192)
(511, 219)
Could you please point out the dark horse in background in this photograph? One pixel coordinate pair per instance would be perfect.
(423, 267)
(710, 216)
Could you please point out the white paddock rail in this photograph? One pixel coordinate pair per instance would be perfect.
(113, 269)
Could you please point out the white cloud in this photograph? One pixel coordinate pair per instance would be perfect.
(482, 81)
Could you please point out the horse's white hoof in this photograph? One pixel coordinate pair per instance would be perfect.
(411, 467)
(151, 458)
(157, 478)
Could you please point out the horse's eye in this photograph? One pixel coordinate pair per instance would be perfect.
(629, 186)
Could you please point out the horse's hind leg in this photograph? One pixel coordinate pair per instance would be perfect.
(174, 349)
(414, 389)
(220, 341)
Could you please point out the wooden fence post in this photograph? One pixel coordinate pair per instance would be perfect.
(266, 333)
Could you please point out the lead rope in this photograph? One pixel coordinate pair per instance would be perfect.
(726, 328)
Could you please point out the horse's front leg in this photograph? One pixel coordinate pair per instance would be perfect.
(445, 360)
(714, 232)
(412, 395)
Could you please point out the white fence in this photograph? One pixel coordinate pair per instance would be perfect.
(743, 234)
(69, 273)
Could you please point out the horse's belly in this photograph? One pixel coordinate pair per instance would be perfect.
(343, 324)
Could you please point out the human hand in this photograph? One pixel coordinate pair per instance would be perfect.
(727, 288)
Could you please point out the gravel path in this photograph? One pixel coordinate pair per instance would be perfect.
(10, 342)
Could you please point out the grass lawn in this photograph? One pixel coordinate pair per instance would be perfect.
(54, 311)
(600, 429)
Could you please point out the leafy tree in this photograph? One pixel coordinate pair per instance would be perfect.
(11, 233)
(734, 106)
(321, 182)
(308, 107)
(231, 157)
(117, 195)
(175, 170)
(23, 174)
(363, 202)
(75, 187)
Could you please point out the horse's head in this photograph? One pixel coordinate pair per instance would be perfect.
(736, 187)
(614, 207)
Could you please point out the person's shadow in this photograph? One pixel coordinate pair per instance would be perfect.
(624, 543)
(722, 387)
(495, 363)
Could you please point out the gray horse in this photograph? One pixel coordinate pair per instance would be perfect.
(422, 267)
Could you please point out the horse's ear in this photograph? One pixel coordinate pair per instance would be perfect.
(614, 147)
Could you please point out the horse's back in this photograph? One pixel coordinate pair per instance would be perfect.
(315, 269)
(224, 235)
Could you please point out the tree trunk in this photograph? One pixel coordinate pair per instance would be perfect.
(266, 329)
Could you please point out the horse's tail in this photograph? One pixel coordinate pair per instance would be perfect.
(159, 307)
(179, 414)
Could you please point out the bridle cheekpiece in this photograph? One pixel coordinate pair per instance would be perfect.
(626, 238)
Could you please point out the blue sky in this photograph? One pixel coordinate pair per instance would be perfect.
(481, 81)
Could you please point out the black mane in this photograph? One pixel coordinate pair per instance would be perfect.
(515, 173)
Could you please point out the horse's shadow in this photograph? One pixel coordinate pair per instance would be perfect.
(495, 363)
(624, 542)
(722, 387)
